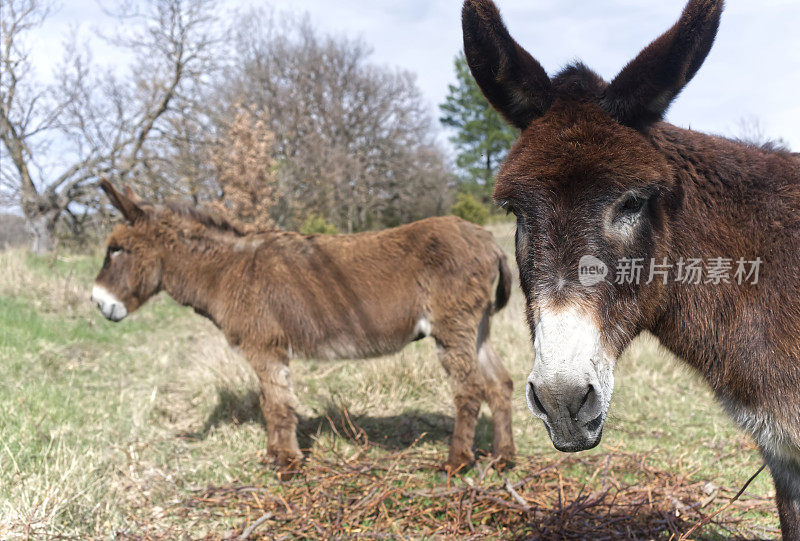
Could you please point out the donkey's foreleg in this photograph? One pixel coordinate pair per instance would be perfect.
(786, 474)
(461, 364)
(279, 406)
(499, 388)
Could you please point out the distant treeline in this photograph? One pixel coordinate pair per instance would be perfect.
(256, 114)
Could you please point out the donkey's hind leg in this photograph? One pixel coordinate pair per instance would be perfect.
(459, 359)
(279, 406)
(498, 391)
(786, 475)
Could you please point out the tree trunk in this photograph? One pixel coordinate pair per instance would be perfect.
(42, 229)
(350, 212)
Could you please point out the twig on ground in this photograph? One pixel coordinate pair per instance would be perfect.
(515, 494)
(710, 517)
(379, 493)
(254, 526)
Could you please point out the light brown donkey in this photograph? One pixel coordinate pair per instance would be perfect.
(278, 295)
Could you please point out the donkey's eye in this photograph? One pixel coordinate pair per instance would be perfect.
(626, 213)
(632, 205)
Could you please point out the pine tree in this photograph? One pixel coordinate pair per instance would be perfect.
(482, 138)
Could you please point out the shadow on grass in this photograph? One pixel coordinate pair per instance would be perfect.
(392, 432)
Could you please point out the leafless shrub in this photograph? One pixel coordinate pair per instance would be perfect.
(245, 169)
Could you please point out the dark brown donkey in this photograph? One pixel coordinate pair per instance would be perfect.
(598, 181)
(278, 295)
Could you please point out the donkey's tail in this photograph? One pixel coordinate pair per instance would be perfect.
(504, 283)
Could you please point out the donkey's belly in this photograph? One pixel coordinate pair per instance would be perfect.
(342, 349)
(360, 345)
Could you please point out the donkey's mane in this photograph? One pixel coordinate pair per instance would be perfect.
(207, 219)
(576, 81)
(204, 218)
(770, 145)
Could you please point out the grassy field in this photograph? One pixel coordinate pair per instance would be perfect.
(105, 427)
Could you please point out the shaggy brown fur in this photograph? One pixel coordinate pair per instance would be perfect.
(278, 295)
(594, 154)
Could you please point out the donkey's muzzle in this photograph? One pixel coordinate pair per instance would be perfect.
(573, 415)
(570, 385)
(111, 307)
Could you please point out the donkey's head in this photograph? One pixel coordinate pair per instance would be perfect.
(131, 271)
(588, 189)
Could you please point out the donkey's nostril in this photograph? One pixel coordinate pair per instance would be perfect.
(585, 402)
(535, 399)
(587, 396)
(576, 406)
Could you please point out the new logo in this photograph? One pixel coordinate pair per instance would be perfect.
(591, 271)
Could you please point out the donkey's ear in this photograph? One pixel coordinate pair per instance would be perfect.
(129, 209)
(510, 78)
(133, 196)
(645, 88)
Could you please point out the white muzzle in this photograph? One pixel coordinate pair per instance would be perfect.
(111, 307)
(572, 379)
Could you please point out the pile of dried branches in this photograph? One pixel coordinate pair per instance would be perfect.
(378, 494)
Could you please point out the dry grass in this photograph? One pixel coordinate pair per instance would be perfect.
(61, 293)
(151, 426)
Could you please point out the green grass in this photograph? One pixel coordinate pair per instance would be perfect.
(104, 426)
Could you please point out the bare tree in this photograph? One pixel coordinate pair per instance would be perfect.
(355, 142)
(101, 125)
(321, 129)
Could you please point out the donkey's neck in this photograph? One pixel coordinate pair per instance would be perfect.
(737, 202)
(195, 271)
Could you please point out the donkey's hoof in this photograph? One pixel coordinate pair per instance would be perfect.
(458, 464)
(504, 462)
(287, 473)
(504, 457)
(286, 464)
(288, 467)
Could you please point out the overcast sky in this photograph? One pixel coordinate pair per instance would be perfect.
(753, 70)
